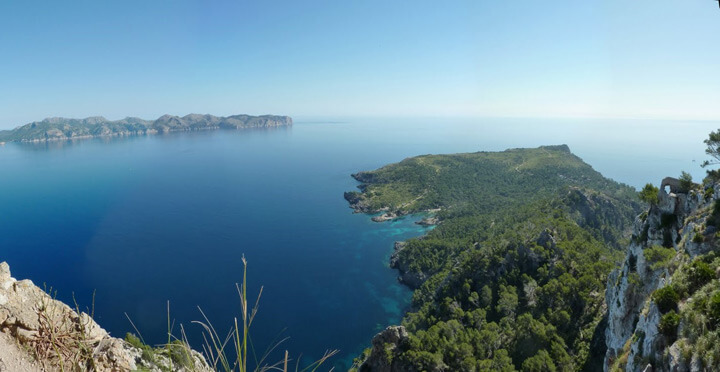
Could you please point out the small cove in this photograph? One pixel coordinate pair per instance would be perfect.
(145, 220)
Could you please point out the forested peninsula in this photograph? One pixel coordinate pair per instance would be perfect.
(54, 129)
(539, 263)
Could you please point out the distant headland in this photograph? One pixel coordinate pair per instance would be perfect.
(57, 129)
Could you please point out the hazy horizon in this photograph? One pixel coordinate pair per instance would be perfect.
(565, 59)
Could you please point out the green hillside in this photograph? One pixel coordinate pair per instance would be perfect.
(513, 277)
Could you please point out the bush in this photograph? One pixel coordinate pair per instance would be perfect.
(147, 351)
(714, 306)
(666, 299)
(709, 192)
(714, 219)
(649, 194)
(699, 274)
(669, 324)
(712, 176)
(698, 238)
(179, 353)
(686, 182)
(540, 362)
(658, 256)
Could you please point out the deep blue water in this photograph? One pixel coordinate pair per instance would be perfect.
(144, 220)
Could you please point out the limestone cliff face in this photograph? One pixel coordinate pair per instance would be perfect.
(60, 338)
(384, 344)
(632, 337)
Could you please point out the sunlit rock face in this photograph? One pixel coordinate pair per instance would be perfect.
(36, 320)
(632, 336)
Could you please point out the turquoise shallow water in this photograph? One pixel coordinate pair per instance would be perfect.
(146, 220)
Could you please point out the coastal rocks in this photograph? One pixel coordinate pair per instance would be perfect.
(56, 334)
(428, 221)
(365, 177)
(412, 279)
(384, 344)
(357, 202)
(395, 257)
(408, 277)
(385, 217)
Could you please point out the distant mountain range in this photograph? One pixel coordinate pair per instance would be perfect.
(53, 129)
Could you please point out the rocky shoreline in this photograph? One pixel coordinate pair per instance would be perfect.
(409, 278)
(359, 204)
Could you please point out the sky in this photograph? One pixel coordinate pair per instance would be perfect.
(656, 59)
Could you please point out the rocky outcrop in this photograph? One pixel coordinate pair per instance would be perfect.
(410, 278)
(673, 183)
(632, 336)
(357, 202)
(388, 216)
(601, 214)
(429, 221)
(59, 337)
(384, 344)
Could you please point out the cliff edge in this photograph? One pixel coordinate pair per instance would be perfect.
(40, 333)
(664, 302)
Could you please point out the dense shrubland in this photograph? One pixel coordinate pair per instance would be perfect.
(516, 270)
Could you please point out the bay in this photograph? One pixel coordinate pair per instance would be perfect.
(141, 221)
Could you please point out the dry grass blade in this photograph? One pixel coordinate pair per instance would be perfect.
(135, 328)
(61, 340)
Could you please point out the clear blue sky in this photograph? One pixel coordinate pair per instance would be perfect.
(564, 58)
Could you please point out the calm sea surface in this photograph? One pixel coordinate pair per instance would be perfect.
(146, 220)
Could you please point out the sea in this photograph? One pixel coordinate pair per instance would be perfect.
(128, 227)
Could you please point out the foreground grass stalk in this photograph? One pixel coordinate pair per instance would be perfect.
(244, 315)
(239, 335)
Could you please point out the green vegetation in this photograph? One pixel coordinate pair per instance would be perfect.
(649, 194)
(517, 267)
(700, 315)
(686, 182)
(147, 351)
(709, 192)
(669, 324)
(699, 274)
(666, 299)
(658, 256)
(714, 218)
(713, 148)
(698, 238)
(479, 183)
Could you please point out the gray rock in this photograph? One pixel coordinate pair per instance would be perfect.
(673, 222)
(386, 343)
(676, 362)
(27, 312)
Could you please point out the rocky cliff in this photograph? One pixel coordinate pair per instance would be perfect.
(53, 129)
(40, 333)
(660, 302)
